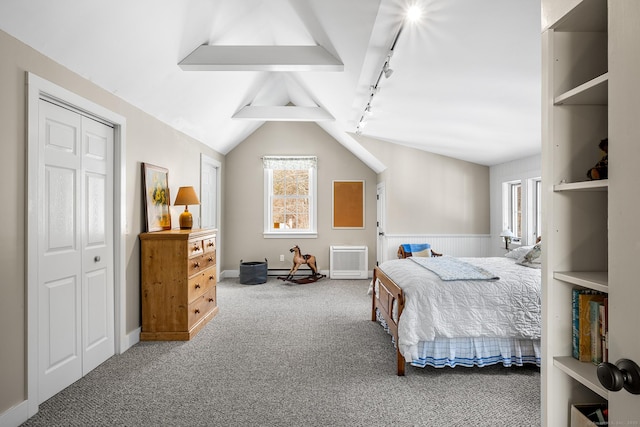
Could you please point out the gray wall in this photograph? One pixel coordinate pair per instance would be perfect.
(147, 139)
(431, 194)
(426, 193)
(243, 205)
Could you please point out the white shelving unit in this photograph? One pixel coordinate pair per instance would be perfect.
(591, 91)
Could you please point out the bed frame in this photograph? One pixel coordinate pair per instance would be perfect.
(383, 300)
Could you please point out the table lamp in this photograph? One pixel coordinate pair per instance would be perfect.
(186, 196)
(507, 235)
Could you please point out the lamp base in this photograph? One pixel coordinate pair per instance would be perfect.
(186, 220)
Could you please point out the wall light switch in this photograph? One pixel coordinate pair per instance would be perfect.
(281, 257)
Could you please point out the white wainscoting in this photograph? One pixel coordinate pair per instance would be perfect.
(458, 245)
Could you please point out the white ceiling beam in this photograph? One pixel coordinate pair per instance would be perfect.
(261, 58)
(289, 113)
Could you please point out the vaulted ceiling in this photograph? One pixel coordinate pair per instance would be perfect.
(465, 83)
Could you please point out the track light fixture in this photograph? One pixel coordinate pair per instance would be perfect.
(413, 14)
(387, 70)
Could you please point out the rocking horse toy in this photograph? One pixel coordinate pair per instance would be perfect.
(298, 260)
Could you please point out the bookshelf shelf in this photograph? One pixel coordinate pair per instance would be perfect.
(583, 372)
(598, 185)
(596, 280)
(593, 92)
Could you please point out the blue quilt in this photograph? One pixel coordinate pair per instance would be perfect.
(450, 268)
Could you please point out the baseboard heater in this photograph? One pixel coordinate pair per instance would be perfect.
(348, 262)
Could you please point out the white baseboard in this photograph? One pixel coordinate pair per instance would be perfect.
(15, 415)
(131, 339)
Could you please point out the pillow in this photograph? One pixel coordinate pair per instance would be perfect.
(532, 258)
(518, 252)
(423, 253)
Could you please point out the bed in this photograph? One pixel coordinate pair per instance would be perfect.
(465, 319)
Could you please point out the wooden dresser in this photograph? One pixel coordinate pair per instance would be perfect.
(178, 283)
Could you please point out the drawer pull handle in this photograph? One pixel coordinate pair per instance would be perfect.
(210, 243)
(197, 311)
(210, 259)
(196, 248)
(210, 277)
(196, 265)
(197, 286)
(210, 299)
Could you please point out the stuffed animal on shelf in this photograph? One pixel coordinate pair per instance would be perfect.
(599, 171)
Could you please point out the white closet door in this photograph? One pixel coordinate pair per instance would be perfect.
(97, 244)
(209, 169)
(75, 296)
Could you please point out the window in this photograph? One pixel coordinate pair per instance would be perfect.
(515, 201)
(537, 207)
(290, 196)
(513, 208)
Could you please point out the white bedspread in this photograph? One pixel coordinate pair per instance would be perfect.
(509, 307)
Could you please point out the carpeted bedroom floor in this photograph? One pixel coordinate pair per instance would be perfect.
(280, 354)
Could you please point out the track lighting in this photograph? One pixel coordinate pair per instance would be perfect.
(386, 70)
(413, 14)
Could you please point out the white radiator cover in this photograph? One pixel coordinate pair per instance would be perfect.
(348, 262)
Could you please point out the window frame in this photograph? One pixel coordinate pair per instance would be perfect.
(536, 207)
(269, 230)
(510, 209)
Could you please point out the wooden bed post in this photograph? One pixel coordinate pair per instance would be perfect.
(401, 363)
(383, 300)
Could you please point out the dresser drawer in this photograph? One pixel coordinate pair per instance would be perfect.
(209, 244)
(201, 306)
(195, 247)
(200, 263)
(201, 283)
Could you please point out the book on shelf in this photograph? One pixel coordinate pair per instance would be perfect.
(581, 322)
(596, 332)
(604, 329)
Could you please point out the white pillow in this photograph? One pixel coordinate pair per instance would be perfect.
(423, 253)
(518, 252)
(532, 258)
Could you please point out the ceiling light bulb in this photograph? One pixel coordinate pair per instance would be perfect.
(373, 89)
(414, 13)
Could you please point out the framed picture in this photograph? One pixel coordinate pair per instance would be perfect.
(155, 188)
(348, 204)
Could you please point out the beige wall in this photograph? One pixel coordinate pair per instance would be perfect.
(426, 193)
(147, 140)
(431, 194)
(244, 196)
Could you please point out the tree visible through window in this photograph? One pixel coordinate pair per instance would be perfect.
(290, 193)
(290, 203)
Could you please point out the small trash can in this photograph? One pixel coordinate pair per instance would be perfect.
(253, 272)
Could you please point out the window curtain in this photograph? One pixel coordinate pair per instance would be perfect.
(290, 162)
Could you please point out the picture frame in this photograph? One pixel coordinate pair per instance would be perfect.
(348, 204)
(156, 199)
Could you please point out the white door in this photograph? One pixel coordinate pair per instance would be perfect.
(75, 248)
(380, 224)
(624, 206)
(209, 169)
